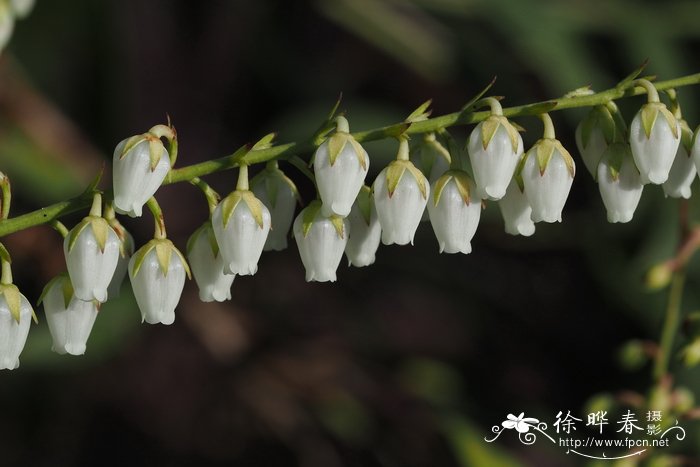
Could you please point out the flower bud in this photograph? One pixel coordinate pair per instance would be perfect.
(321, 241)
(70, 319)
(683, 170)
(126, 249)
(241, 224)
(619, 182)
(141, 163)
(340, 167)
(365, 231)
(593, 135)
(454, 212)
(654, 138)
(495, 147)
(92, 252)
(208, 265)
(400, 196)
(548, 173)
(15, 314)
(516, 211)
(157, 273)
(279, 194)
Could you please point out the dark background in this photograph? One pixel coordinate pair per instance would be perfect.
(409, 362)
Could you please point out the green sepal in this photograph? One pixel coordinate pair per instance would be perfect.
(265, 142)
(13, 299)
(155, 151)
(66, 289)
(545, 149)
(462, 181)
(479, 95)
(100, 229)
(686, 136)
(164, 249)
(568, 160)
(650, 113)
(671, 120)
(598, 117)
(4, 254)
(421, 113)
(518, 175)
(339, 225)
(163, 252)
(396, 170)
(131, 143)
(247, 196)
(207, 229)
(336, 144)
(616, 155)
(491, 125)
(309, 217)
(364, 203)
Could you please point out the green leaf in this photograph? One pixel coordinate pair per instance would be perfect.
(163, 252)
(336, 143)
(100, 229)
(309, 216)
(545, 149)
(421, 113)
(649, 113)
(13, 299)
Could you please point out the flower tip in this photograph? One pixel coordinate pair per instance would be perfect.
(75, 349)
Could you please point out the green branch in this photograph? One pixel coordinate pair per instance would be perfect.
(464, 117)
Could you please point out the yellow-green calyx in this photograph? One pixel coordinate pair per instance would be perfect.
(364, 202)
(155, 148)
(491, 125)
(66, 289)
(164, 250)
(650, 113)
(207, 230)
(268, 176)
(544, 150)
(13, 298)
(338, 141)
(231, 201)
(599, 117)
(100, 229)
(311, 214)
(617, 152)
(396, 170)
(462, 181)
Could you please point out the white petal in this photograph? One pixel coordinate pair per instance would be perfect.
(400, 214)
(242, 240)
(681, 176)
(134, 181)
(516, 211)
(321, 249)
(653, 156)
(364, 238)
(208, 270)
(157, 294)
(70, 327)
(454, 221)
(281, 210)
(494, 166)
(339, 184)
(13, 335)
(620, 196)
(90, 269)
(546, 192)
(593, 151)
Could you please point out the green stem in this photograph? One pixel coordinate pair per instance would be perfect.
(402, 154)
(6, 196)
(59, 227)
(303, 167)
(158, 219)
(548, 126)
(675, 105)
(341, 124)
(670, 326)
(168, 132)
(212, 196)
(286, 151)
(242, 184)
(96, 208)
(652, 92)
(496, 108)
(6, 276)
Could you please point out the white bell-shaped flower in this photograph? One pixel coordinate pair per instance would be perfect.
(241, 225)
(683, 170)
(279, 194)
(593, 135)
(654, 138)
(433, 158)
(15, 314)
(126, 249)
(495, 147)
(547, 173)
(208, 265)
(455, 211)
(340, 167)
(619, 182)
(365, 230)
(516, 211)
(70, 319)
(92, 252)
(157, 273)
(695, 149)
(400, 196)
(7, 23)
(141, 163)
(321, 241)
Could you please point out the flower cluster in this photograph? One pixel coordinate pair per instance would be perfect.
(432, 179)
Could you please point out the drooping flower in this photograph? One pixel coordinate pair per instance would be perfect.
(619, 182)
(126, 249)
(593, 135)
(321, 241)
(15, 314)
(365, 231)
(455, 211)
(208, 265)
(516, 211)
(400, 196)
(279, 194)
(495, 147)
(157, 273)
(683, 170)
(241, 224)
(340, 167)
(654, 138)
(92, 250)
(141, 163)
(70, 319)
